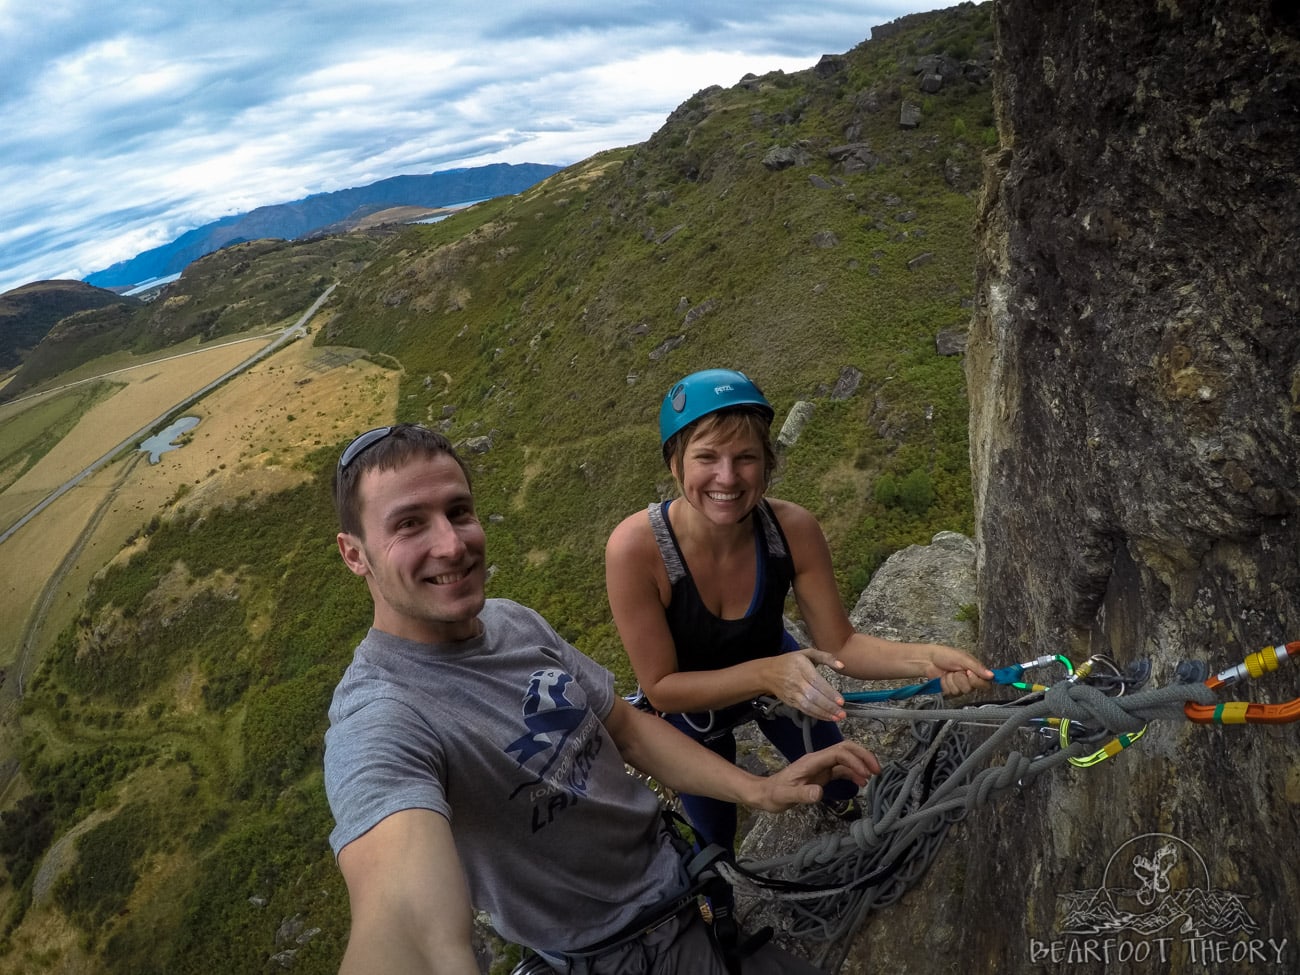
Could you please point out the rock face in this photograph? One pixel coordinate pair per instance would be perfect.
(1134, 369)
(1134, 376)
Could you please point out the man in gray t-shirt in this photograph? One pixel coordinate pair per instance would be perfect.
(476, 758)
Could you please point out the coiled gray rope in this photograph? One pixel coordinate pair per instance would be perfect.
(911, 804)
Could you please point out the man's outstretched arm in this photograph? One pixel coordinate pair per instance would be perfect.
(653, 746)
(410, 903)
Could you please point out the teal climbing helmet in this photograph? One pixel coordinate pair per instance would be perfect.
(705, 392)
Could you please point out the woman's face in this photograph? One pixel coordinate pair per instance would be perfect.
(723, 476)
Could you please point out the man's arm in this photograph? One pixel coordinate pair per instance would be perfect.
(410, 903)
(653, 746)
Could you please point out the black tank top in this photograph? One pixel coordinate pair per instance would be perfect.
(708, 642)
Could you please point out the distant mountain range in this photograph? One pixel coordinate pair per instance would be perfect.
(289, 221)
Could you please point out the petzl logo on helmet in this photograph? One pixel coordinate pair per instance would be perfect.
(719, 390)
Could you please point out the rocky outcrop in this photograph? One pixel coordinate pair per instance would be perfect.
(922, 593)
(1134, 376)
(795, 421)
(1134, 373)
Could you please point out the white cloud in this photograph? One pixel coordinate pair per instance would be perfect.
(126, 124)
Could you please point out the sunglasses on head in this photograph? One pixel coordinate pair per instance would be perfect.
(356, 447)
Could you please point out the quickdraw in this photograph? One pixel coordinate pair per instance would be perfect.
(1248, 712)
(1008, 676)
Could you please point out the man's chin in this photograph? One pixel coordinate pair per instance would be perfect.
(468, 607)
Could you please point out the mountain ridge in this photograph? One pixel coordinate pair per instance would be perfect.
(297, 218)
(29, 312)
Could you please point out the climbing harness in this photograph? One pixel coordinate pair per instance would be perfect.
(704, 879)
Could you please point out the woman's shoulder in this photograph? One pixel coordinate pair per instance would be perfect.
(790, 514)
(631, 535)
(798, 524)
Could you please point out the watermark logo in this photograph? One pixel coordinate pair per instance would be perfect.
(1157, 904)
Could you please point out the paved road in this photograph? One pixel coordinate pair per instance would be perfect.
(11, 689)
(296, 330)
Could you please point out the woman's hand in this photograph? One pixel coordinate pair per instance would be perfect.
(958, 672)
(793, 679)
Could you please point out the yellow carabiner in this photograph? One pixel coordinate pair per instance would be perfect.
(1111, 748)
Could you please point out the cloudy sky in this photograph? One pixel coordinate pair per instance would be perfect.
(123, 124)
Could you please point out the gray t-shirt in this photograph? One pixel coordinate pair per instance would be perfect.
(503, 735)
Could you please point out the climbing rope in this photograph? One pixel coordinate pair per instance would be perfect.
(833, 881)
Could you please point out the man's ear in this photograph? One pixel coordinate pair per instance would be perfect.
(354, 556)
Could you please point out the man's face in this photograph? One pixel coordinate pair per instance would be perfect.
(423, 550)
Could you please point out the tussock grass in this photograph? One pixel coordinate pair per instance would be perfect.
(549, 323)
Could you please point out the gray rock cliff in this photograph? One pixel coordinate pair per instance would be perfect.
(1134, 373)
(1134, 378)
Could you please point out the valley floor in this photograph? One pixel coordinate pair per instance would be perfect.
(253, 431)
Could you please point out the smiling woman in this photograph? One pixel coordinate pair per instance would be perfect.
(698, 588)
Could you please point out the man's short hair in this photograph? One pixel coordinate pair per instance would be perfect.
(384, 448)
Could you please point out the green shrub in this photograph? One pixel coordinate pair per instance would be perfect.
(25, 833)
(101, 880)
(916, 493)
(284, 729)
(887, 491)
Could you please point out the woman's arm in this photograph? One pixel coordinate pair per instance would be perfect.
(638, 592)
(863, 656)
(656, 748)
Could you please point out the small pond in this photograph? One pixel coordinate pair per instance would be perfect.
(163, 440)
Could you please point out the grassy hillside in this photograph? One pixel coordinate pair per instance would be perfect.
(173, 737)
(554, 324)
(28, 313)
(262, 281)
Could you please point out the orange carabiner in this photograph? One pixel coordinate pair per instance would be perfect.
(1244, 712)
